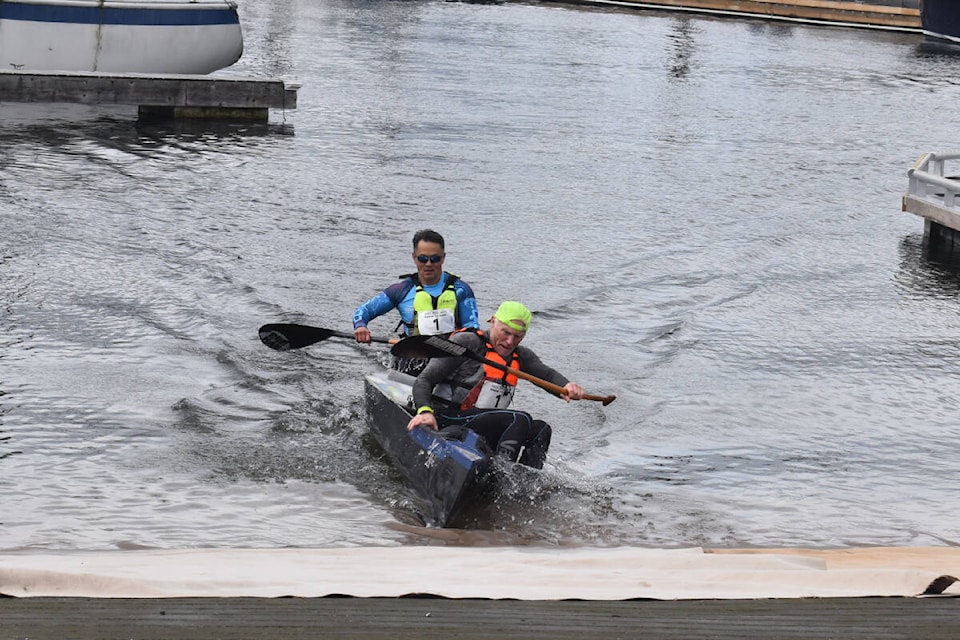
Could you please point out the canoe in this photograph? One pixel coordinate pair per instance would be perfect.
(448, 472)
(119, 36)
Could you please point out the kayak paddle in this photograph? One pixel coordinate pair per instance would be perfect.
(284, 337)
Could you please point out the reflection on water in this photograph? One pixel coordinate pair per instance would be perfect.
(682, 46)
(929, 270)
(211, 130)
(938, 50)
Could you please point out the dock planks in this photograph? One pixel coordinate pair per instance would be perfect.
(429, 619)
(876, 14)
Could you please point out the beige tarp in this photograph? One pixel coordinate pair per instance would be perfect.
(523, 573)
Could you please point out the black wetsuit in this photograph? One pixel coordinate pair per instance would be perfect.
(510, 433)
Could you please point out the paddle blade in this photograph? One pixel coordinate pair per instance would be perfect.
(428, 347)
(284, 337)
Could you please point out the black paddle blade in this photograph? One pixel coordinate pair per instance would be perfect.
(284, 337)
(428, 347)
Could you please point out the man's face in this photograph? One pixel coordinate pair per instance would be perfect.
(504, 339)
(424, 256)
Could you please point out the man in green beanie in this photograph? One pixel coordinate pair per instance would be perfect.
(478, 396)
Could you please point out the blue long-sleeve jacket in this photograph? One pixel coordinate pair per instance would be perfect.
(400, 296)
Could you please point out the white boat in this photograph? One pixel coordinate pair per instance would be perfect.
(110, 36)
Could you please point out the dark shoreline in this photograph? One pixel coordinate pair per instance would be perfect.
(433, 618)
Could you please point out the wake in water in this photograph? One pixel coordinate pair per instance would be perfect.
(521, 505)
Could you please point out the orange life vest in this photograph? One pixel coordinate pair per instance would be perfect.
(495, 389)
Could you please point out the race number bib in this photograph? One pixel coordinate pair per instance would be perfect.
(495, 395)
(435, 321)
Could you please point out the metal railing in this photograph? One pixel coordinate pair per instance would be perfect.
(928, 182)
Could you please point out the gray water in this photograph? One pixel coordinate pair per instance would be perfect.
(703, 213)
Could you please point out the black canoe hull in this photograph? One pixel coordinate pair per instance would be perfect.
(445, 473)
(941, 19)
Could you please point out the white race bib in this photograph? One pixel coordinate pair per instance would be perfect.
(436, 321)
(495, 395)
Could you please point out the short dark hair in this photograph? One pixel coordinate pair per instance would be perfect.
(427, 235)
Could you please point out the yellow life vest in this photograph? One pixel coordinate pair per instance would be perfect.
(433, 315)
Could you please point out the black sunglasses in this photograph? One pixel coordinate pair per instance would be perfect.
(422, 259)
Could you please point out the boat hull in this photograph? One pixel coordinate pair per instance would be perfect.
(941, 19)
(447, 473)
(136, 36)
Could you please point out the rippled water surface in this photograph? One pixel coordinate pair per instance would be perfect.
(703, 213)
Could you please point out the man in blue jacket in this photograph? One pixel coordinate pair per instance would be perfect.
(431, 301)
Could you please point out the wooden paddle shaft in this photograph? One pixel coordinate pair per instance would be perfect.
(540, 382)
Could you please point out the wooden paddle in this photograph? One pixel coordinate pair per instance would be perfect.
(439, 347)
(284, 337)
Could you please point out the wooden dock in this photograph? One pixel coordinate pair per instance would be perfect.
(935, 197)
(897, 15)
(158, 97)
(441, 619)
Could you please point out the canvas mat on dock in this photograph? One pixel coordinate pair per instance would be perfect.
(523, 573)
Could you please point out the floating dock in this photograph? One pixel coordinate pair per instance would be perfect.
(158, 97)
(935, 197)
(896, 15)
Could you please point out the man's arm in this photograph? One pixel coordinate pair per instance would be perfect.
(372, 308)
(382, 303)
(530, 363)
(436, 371)
(467, 310)
(443, 369)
